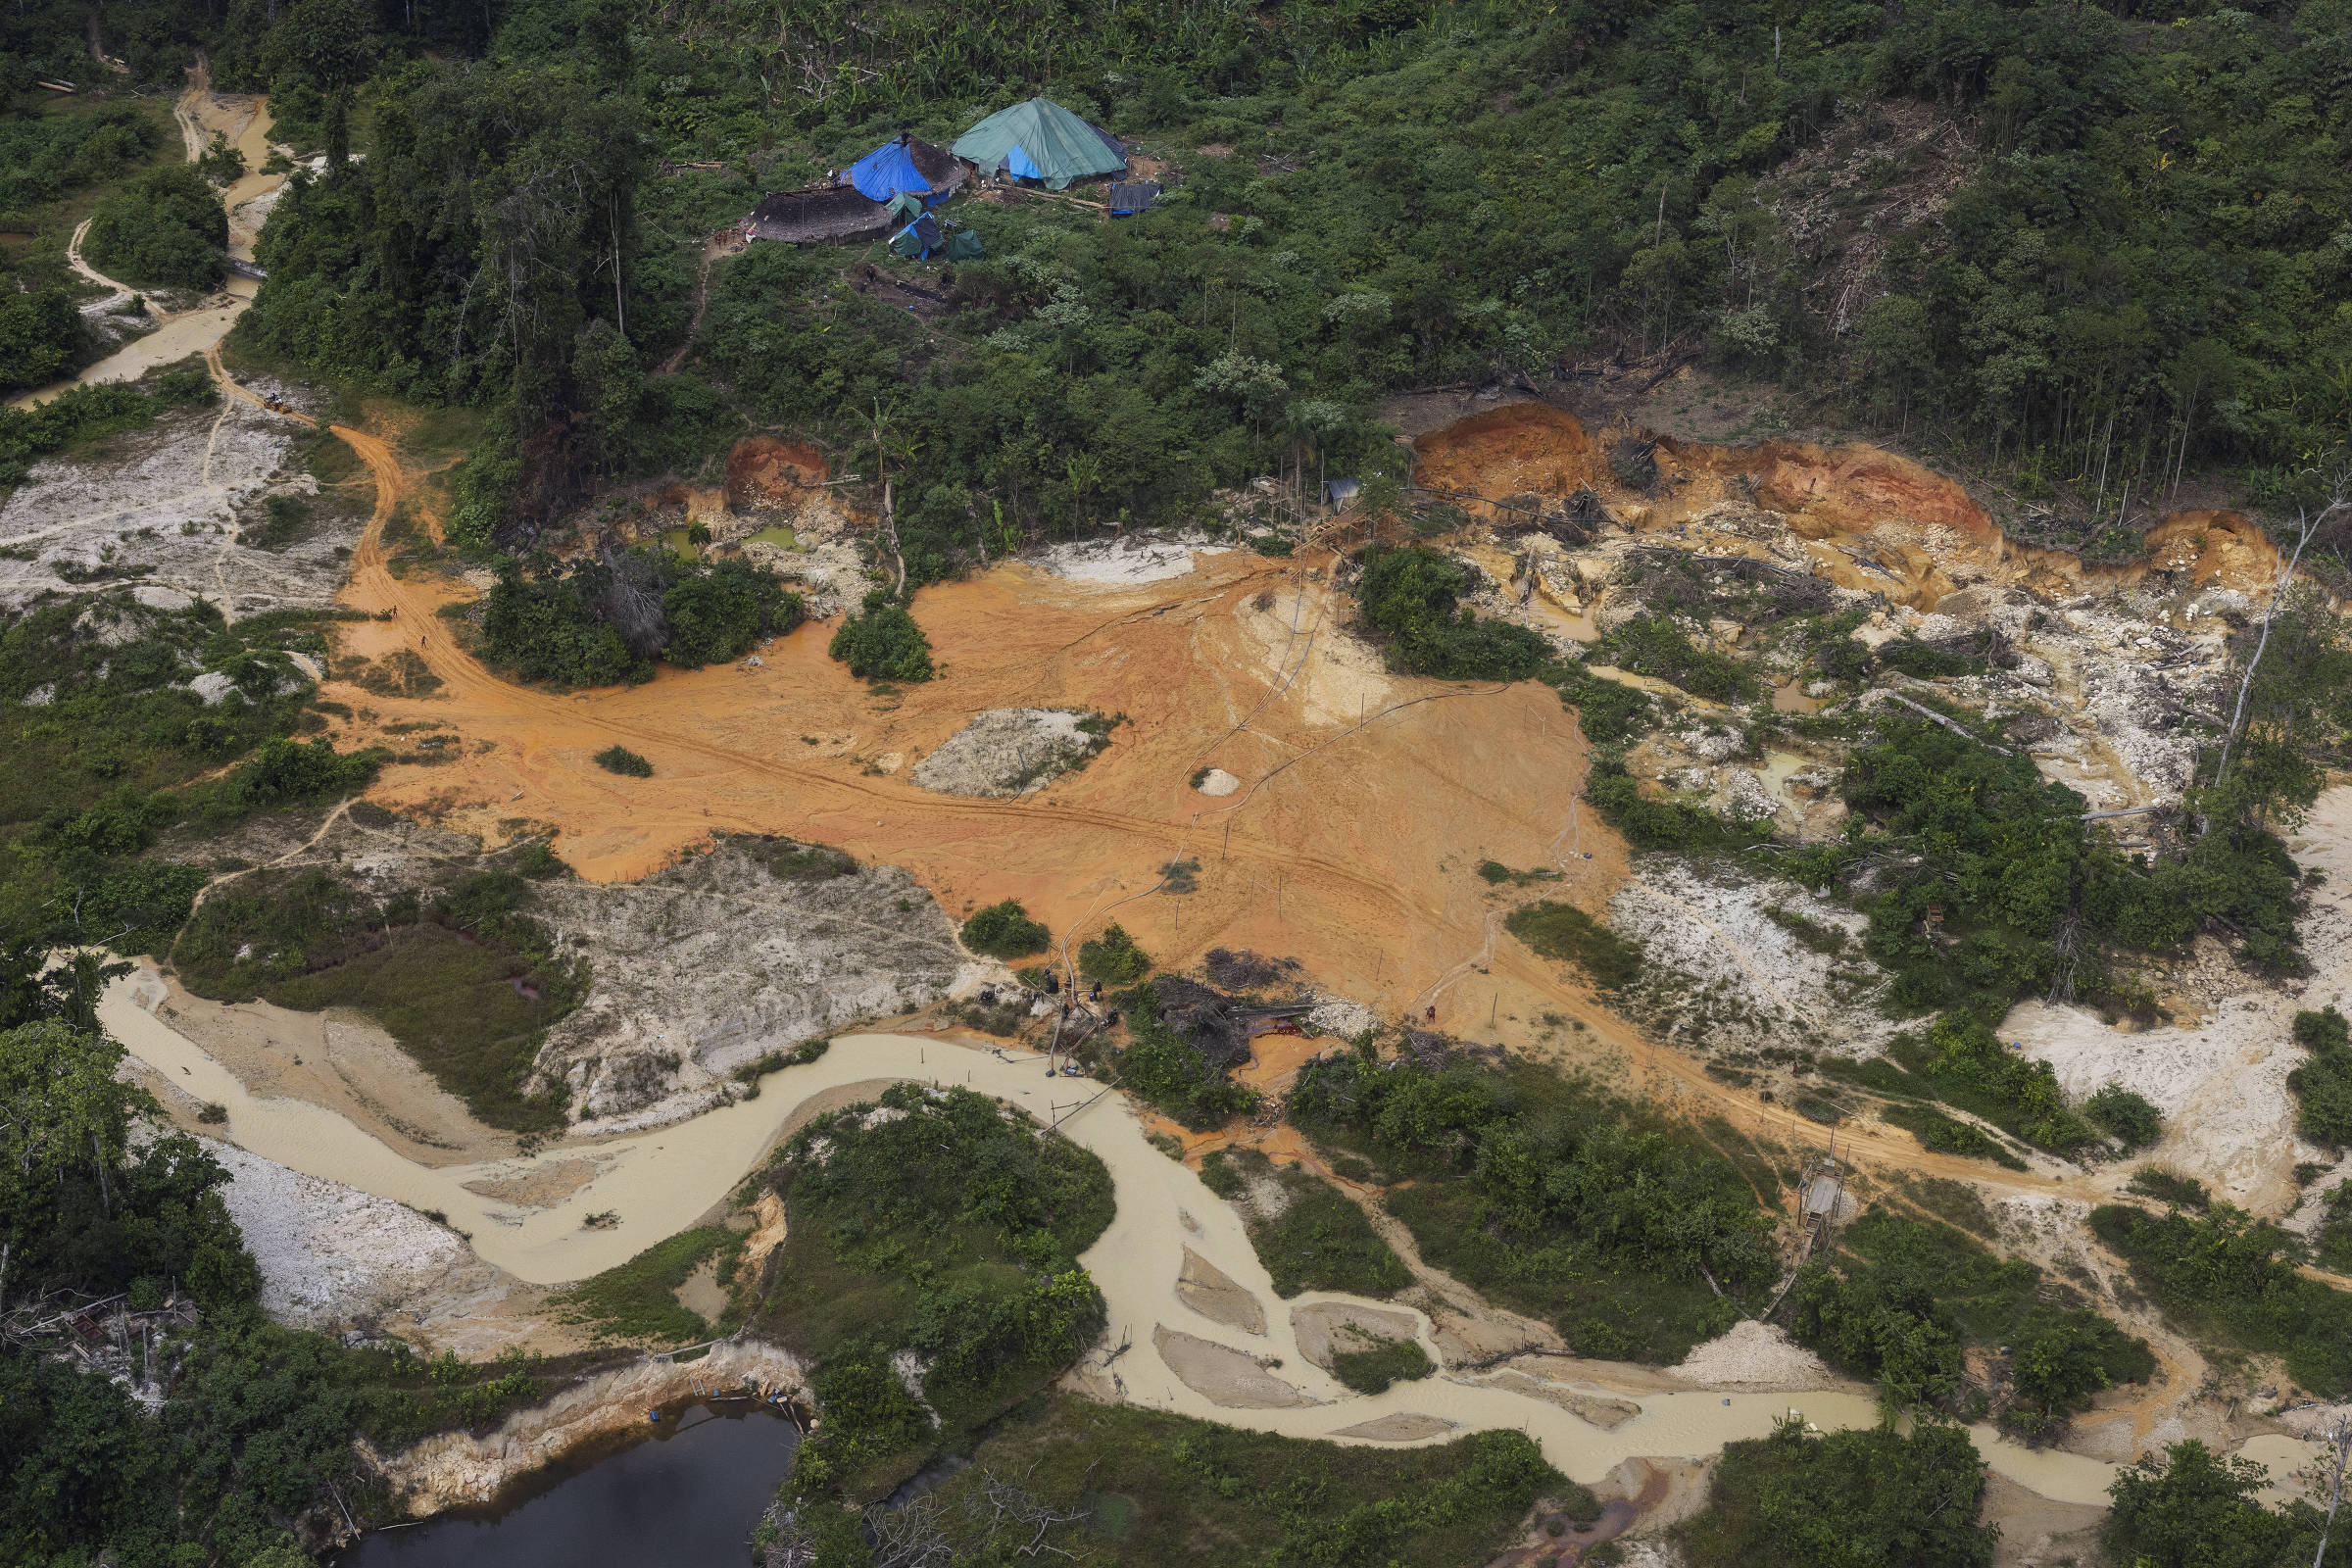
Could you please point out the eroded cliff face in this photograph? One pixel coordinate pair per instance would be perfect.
(1876, 520)
(456, 1468)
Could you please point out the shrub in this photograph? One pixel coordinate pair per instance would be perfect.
(165, 229)
(1112, 957)
(618, 759)
(882, 642)
(1174, 1078)
(2322, 1083)
(2192, 1508)
(1564, 931)
(1377, 1362)
(2181, 1192)
(1004, 931)
(2123, 1116)
(1610, 712)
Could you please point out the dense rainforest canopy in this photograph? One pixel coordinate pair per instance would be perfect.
(2098, 241)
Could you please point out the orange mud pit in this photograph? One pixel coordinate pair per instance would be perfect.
(1366, 802)
(1870, 519)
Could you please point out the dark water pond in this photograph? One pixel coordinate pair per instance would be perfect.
(685, 1496)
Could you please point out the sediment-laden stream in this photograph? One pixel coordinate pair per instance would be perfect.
(660, 1182)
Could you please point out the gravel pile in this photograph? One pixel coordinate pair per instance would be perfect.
(1007, 752)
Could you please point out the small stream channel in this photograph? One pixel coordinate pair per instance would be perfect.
(683, 1494)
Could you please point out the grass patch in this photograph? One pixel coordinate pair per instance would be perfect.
(2180, 1192)
(637, 1303)
(618, 759)
(1809, 932)
(1877, 1075)
(937, 1223)
(465, 981)
(1497, 873)
(1378, 1362)
(1954, 1201)
(1948, 1135)
(2232, 1278)
(1742, 1150)
(1164, 1489)
(1564, 931)
(1320, 1241)
(1594, 1214)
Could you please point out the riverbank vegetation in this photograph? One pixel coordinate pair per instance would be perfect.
(463, 976)
(1902, 1299)
(1150, 1487)
(1612, 1223)
(1875, 1498)
(2230, 1279)
(637, 1303)
(1307, 1232)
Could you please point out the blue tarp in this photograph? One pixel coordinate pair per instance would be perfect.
(1019, 162)
(887, 171)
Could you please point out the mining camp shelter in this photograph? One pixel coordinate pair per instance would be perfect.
(1042, 141)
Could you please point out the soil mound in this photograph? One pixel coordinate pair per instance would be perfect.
(766, 469)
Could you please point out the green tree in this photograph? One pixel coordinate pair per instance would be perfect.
(882, 642)
(166, 230)
(2193, 1508)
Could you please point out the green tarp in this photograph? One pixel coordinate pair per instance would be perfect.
(1039, 139)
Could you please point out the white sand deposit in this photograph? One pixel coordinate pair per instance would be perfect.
(2222, 1082)
(1127, 558)
(1752, 1354)
(328, 1252)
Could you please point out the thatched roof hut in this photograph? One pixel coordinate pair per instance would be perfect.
(862, 204)
(819, 212)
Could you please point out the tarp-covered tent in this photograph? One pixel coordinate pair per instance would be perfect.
(907, 165)
(1043, 141)
(1129, 197)
(918, 238)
